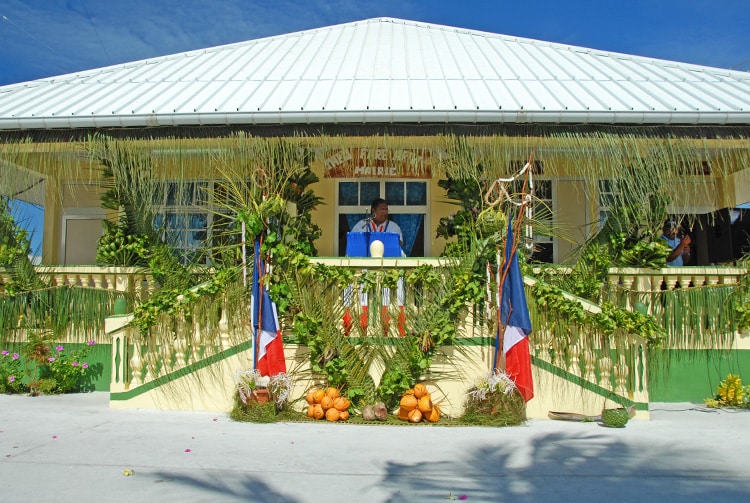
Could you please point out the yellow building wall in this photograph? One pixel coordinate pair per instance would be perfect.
(572, 220)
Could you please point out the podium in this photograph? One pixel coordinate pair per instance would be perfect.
(358, 243)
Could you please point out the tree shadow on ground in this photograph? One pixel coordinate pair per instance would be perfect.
(565, 467)
(240, 487)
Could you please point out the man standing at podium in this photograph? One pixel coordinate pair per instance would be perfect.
(378, 221)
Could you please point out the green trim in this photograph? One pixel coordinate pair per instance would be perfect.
(467, 341)
(188, 369)
(579, 381)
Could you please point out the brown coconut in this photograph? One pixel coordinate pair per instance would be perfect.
(381, 412)
(368, 413)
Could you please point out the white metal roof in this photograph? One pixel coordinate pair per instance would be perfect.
(382, 71)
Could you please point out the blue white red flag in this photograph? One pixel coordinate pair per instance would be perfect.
(268, 350)
(514, 318)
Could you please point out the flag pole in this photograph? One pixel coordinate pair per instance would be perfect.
(523, 210)
(257, 298)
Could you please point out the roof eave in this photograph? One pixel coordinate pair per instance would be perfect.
(377, 117)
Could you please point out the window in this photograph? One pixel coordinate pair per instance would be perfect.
(407, 206)
(609, 191)
(183, 217)
(544, 244)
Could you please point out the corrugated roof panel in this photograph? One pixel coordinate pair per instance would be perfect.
(279, 99)
(416, 59)
(379, 65)
(262, 93)
(463, 60)
(605, 95)
(420, 95)
(382, 65)
(533, 59)
(459, 91)
(361, 96)
(637, 96)
(319, 95)
(446, 64)
(105, 100)
(441, 96)
(400, 98)
(298, 99)
(481, 96)
(564, 93)
(497, 66)
(517, 68)
(307, 59)
(522, 100)
(729, 95)
(215, 69)
(248, 66)
(338, 99)
(233, 95)
(344, 59)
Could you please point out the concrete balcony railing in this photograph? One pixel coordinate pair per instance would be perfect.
(616, 366)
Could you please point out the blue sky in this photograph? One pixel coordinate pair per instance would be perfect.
(41, 38)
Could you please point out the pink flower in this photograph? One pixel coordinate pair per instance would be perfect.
(85, 365)
(15, 356)
(75, 364)
(51, 359)
(59, 348)
(92, 342)
(11, 378)
(5, 352)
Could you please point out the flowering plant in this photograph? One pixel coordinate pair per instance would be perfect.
(492, 382)
(249, 380)
(53, 370)
(279, 386)
(11, 372)
(67, 370)
(494, 400)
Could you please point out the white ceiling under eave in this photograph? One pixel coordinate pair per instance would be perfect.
(382, 71)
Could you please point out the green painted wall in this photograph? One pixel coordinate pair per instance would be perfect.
(691, 376)
(99, 358)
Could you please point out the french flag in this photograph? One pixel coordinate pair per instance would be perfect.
(514, 317)
(268, 349)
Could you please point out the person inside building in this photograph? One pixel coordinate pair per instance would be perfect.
(678, 242)
(378, 221)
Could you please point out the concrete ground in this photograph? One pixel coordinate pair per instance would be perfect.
(74, 448)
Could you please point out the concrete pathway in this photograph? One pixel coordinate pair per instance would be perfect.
(73, 448)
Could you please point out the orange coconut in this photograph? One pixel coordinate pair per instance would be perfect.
(409, 402)
(332, 414)
(425, 404)
(415, 416)
(420, 390)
